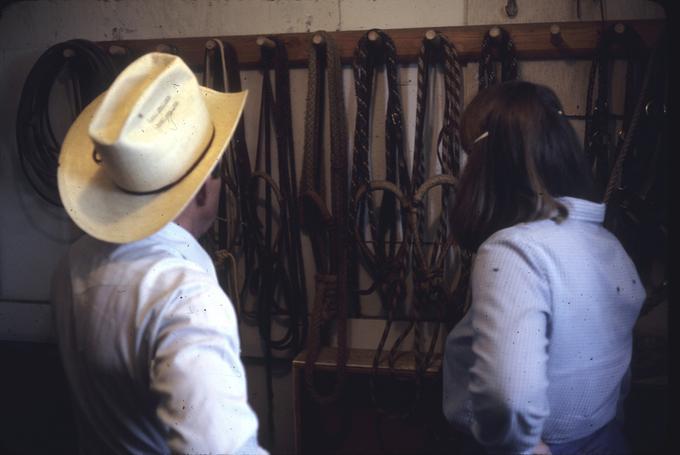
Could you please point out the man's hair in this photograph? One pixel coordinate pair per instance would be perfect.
(522, 154)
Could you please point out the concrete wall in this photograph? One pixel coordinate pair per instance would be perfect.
(33, 234)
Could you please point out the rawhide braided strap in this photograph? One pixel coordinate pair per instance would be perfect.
(497, 40)
(601, 145)
(90, 71)
(278, 280)
(327, 229)
(221, 72)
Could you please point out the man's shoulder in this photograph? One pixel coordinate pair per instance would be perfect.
(145, 261)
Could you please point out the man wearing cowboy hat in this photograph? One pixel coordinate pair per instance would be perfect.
(148, 339)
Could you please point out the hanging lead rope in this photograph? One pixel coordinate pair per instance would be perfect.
(327, 230)
(388, 267)
(221, 73)
(278, 281)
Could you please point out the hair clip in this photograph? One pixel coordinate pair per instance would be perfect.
(481, 136)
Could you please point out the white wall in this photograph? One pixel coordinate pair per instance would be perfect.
(33, 235)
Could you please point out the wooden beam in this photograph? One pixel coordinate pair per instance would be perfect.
(360, 361)
(535, 41)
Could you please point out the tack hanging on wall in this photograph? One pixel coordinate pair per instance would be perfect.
(90, 71)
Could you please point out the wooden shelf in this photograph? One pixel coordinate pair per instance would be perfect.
(361, 361)
(532, 41)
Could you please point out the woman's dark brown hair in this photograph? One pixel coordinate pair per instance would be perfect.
(530, 156)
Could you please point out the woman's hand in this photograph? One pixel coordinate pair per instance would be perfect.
(541, 449)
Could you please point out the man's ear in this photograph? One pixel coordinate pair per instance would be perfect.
(202, 196)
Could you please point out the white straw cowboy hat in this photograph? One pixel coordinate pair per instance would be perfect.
(136, 156)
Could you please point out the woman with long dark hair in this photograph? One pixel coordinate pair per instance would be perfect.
(540, 362)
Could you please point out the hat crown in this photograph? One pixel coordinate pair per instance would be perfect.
(153, 124)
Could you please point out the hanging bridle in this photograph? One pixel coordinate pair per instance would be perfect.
(637, 187)
(387, 261)
(601, 146)
(497, 40)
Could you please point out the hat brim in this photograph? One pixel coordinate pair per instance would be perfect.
(108, 213)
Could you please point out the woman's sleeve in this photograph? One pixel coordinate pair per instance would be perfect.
(510, 318)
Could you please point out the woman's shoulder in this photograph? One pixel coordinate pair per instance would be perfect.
(533, 232)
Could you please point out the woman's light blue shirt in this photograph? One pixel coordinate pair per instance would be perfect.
(547, 342)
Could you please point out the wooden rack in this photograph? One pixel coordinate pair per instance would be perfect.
(535, 41)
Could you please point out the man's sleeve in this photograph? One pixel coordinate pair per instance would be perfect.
(196, 372)
(510, 313)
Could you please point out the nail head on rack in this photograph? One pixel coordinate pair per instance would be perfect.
(162, 47)
(210, 44)
(619, 28)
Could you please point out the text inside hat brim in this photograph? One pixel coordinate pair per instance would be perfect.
(106, 212)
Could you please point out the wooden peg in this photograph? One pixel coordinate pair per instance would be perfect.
(266, 42)
(167, 48)
(117, 50)
(495, 32)
(432, 36)
(317, 39)
(620, 28)
(373, 36)
(68, 53)
(556, 35)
